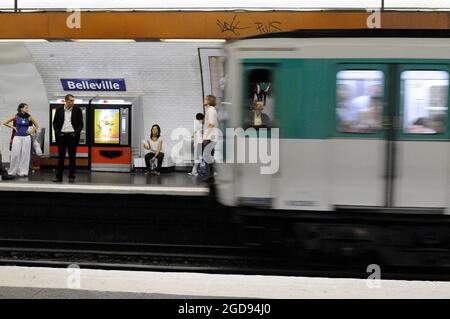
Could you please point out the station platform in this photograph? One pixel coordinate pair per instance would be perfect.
(41, 283)
(172, 183)
(110, 207)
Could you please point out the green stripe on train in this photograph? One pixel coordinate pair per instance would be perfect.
(305, 93)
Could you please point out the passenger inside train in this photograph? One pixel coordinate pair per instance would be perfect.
(256, 117)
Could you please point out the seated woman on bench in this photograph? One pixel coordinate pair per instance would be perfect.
(155, 146)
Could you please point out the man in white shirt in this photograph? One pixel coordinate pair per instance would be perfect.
(67, 123)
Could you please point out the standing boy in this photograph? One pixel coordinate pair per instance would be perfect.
(198, 140)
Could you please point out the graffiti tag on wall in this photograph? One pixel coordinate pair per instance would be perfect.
(234, 26)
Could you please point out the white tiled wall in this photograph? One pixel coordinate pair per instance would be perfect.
(165, 75)
(20, 82)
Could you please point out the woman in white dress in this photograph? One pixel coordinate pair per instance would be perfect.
(23, 125)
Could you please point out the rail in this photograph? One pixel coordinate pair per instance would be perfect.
(191, 258)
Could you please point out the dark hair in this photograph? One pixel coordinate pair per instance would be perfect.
(199, 116)
(21, 106)
(159, 130)
(211, 100)
(68, 96)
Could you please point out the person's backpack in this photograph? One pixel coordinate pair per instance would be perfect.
(202, 167)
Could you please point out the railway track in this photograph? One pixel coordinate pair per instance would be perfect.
(158, 257)
(192, 258)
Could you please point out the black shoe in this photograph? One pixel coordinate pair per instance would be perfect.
(7, 177)
(57, 180)
(71, 179)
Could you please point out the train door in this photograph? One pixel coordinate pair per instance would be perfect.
(254, 187)
(421, 155)
(359, 147)
(390, 149)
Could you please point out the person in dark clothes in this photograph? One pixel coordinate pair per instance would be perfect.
(256, 118)
(3, 172)
(68, 123)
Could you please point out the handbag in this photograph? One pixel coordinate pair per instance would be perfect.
(37, 147)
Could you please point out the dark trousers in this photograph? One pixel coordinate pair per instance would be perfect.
(159, 159)
(208, 152)
(66, 142)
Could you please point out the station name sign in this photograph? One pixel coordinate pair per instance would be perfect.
(93, 84)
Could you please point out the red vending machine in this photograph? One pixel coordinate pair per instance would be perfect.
(111, 135)
(83, 146)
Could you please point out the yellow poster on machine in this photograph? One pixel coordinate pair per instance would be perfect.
(106, 123)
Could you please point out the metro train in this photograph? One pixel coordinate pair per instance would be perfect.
(362, 119)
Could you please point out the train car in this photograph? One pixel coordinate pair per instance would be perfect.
(358, 120)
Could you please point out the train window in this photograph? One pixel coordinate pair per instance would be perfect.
(359, 100)
(425, 101)
(259, 104)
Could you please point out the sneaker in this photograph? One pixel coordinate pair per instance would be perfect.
(193, 174)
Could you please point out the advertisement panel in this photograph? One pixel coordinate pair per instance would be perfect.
(107, 126)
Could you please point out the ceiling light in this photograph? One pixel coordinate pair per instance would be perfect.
(193, 40)
(103, 40)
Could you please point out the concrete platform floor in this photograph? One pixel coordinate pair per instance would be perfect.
(35, 282)
(173, 183)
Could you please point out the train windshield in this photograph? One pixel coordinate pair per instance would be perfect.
(259, 100)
